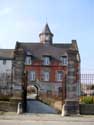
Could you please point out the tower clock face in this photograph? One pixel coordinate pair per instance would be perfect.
(47, 37)
(43, 38)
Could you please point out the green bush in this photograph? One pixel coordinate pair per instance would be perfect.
(87, 100)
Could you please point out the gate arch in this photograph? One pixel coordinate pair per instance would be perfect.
(32, 91)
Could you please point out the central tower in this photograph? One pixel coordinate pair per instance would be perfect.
(46, 36)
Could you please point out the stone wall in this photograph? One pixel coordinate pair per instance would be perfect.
(18, 65)
(8, 106)
(18, 69)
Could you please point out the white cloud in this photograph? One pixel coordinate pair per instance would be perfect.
(5, 11)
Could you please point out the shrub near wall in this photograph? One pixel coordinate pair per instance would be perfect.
(87, 100)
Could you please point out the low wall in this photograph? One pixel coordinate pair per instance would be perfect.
(87, 109)
(8, 106)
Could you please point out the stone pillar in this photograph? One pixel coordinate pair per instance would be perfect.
(18, 67)
(71, 105)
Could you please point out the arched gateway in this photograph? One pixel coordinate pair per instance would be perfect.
(32, 91)
(47, 64)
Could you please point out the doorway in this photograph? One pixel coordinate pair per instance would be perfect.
(32, 92)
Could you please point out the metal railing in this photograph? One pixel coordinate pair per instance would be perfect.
(87, 84)
(87, 88)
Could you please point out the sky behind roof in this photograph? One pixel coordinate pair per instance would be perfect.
(23, 20)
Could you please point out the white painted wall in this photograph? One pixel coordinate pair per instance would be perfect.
(5, 67)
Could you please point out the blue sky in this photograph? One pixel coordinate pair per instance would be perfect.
(23, 20)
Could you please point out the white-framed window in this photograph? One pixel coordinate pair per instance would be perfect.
(59, 75)
(46, 60)
(32, 76)
(28, 60)
(64, 60)
(45, 76)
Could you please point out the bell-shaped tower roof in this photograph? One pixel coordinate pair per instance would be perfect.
(46, 35)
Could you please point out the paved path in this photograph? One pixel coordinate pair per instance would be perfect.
(34, 106)
(45, 119)
(8, 122)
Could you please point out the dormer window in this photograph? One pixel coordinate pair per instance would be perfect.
(28, 60)
(46, 60)
(64, 60)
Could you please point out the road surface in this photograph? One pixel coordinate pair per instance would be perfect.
(34, 106)
(45, 120)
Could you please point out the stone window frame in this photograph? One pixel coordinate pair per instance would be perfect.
(64, 60)
(28, 60)
(45, 77)
(56, 77)
(32, 75)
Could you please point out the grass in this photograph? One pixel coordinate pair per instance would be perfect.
(7, 113)
(87, 99)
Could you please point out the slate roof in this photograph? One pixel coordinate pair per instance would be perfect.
(55, 50)
(64, 46)
(39, 49)
(6, 53)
